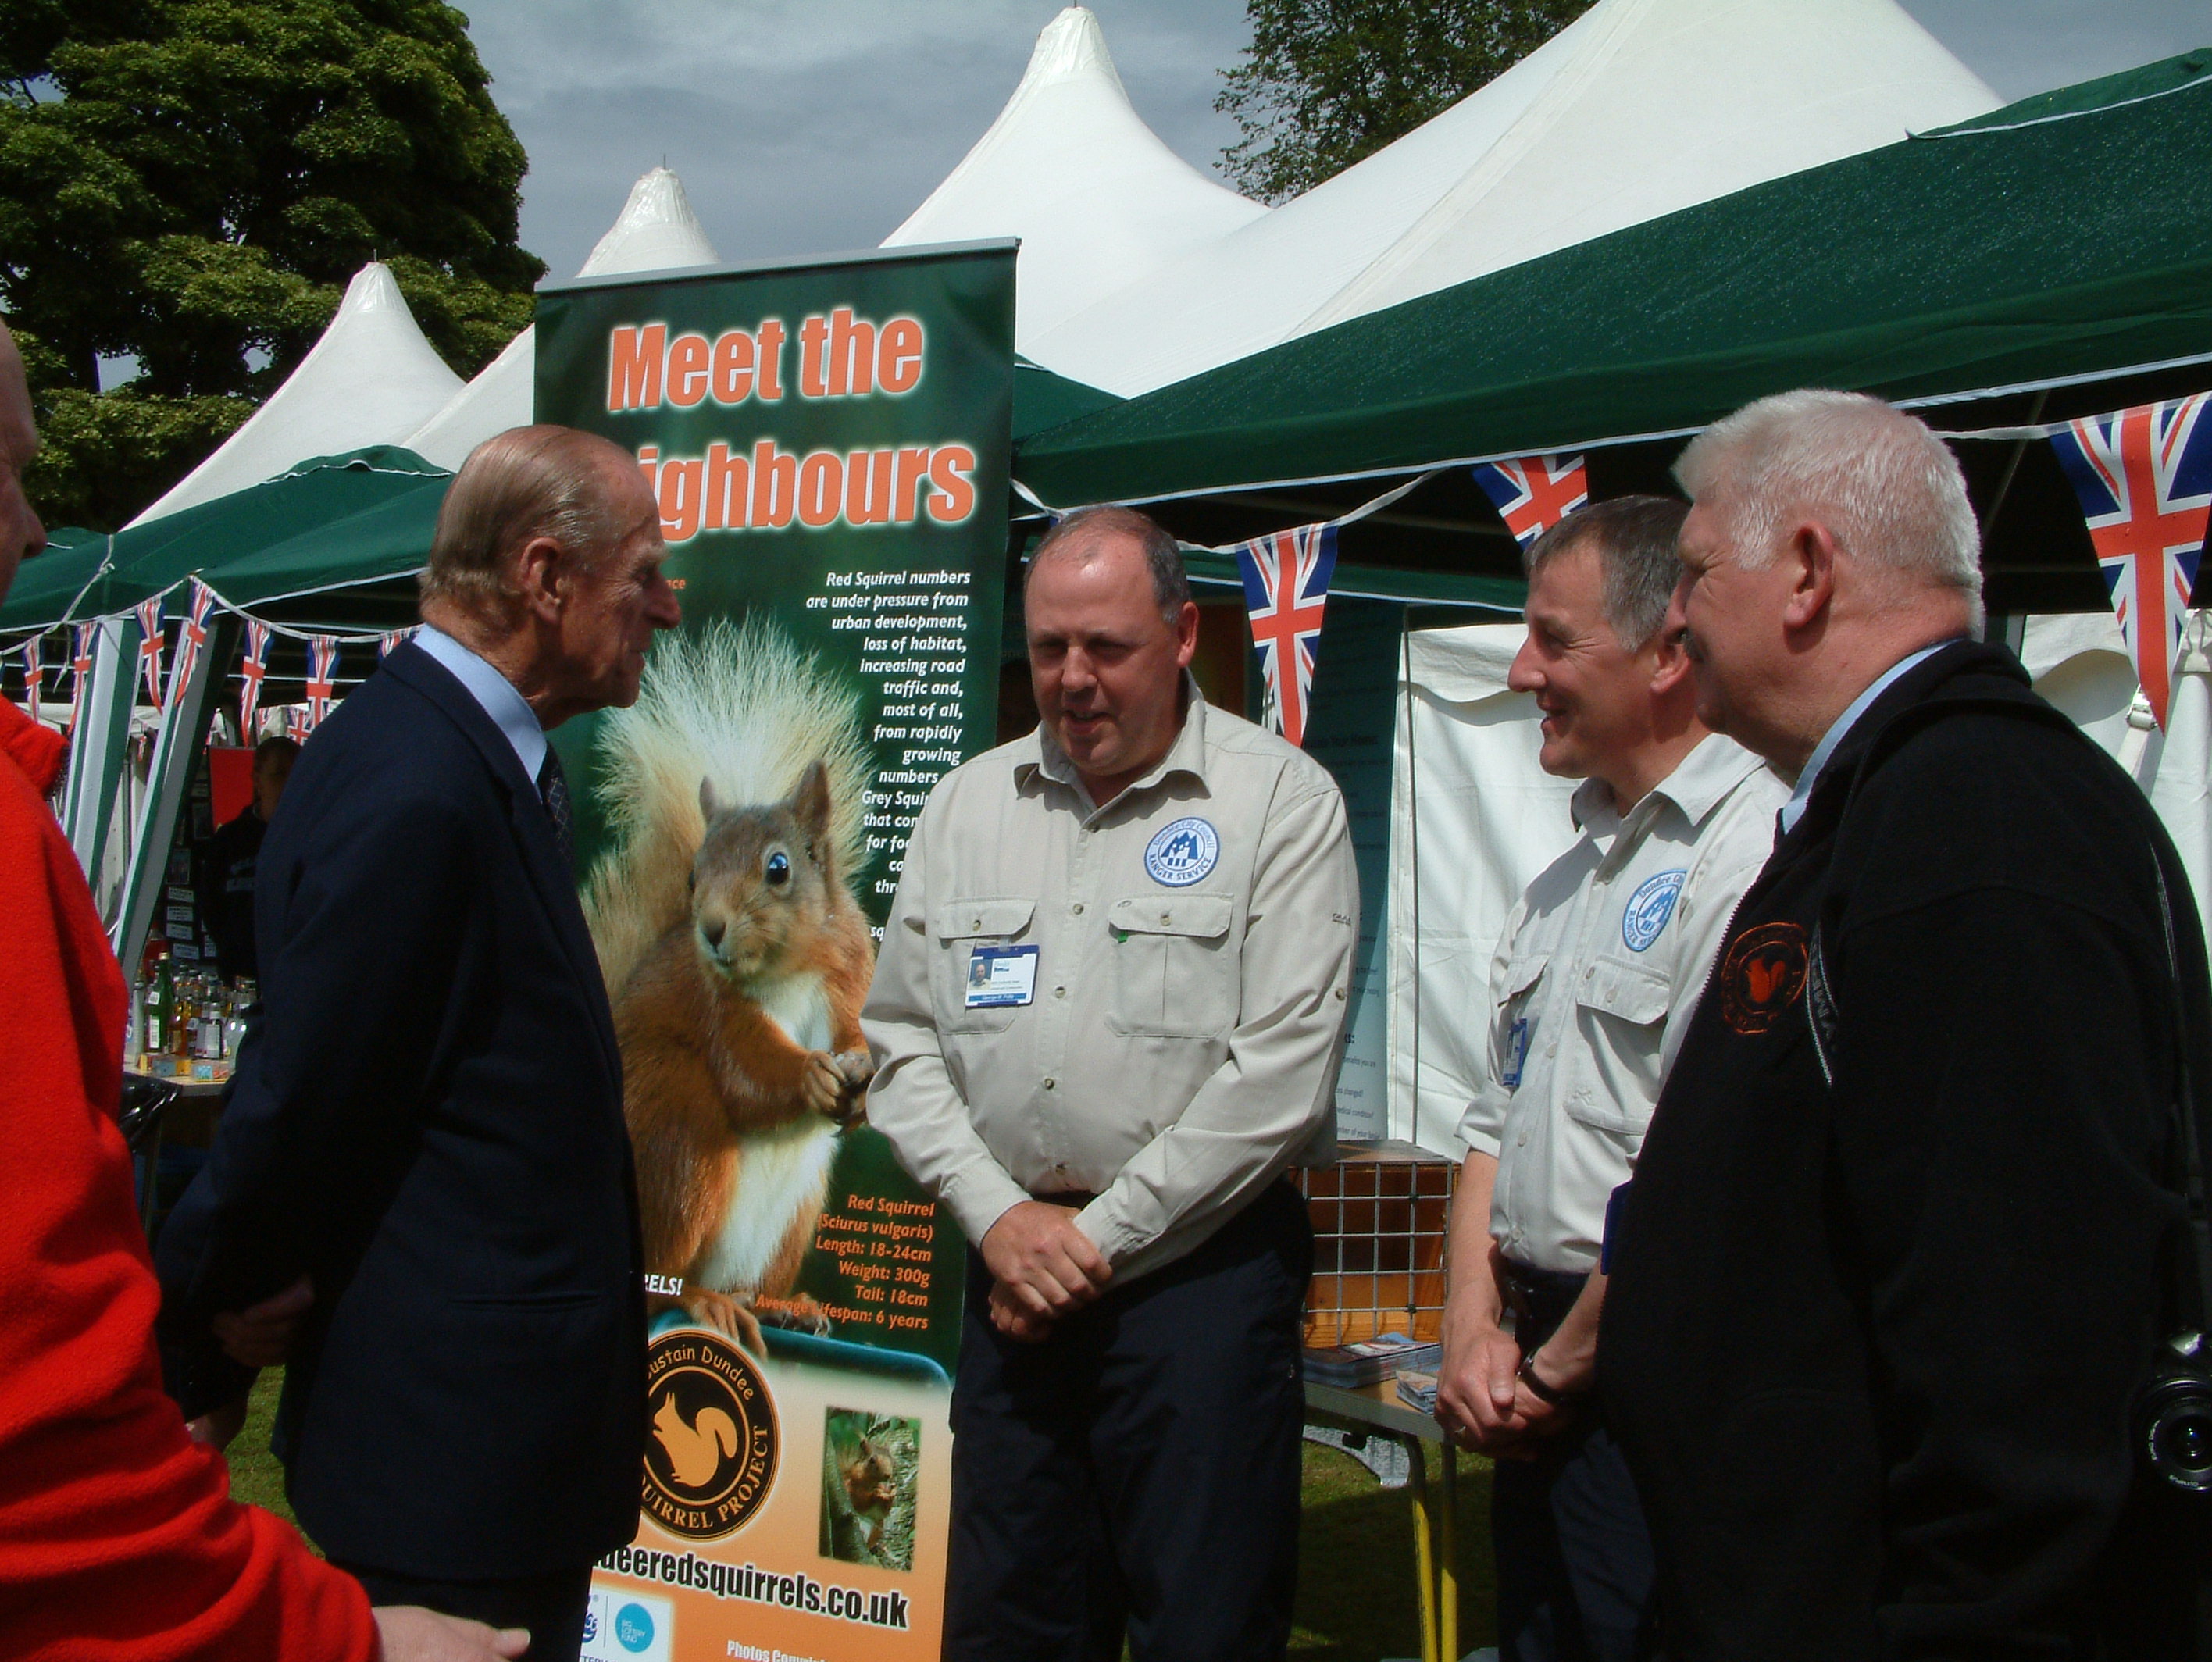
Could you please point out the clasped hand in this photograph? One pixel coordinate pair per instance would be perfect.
(1042, 1268)
(259, 1336)
(1483, 1404)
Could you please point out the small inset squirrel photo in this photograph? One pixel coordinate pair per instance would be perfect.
(737, 960)
(869, 1465)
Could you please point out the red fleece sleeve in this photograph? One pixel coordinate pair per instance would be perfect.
(117, 1537)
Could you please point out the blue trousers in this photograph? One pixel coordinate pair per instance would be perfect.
(1138, 1473)
(1575, 1580)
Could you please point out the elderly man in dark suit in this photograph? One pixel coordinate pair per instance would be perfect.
(422, 1195)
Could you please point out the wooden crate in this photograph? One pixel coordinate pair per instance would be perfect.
(1380, 1218)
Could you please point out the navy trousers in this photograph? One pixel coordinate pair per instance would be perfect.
(1138, 1473)
(1575, 1580)
(552, 1607)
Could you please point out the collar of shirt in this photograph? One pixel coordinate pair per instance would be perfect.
(1794, 810)
(1186, 755)
(495, 692)
(1701, 781)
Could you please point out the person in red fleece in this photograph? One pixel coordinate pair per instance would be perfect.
(118, 1539)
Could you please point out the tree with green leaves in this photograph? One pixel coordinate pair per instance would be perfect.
(1326, 83)
(191, 182)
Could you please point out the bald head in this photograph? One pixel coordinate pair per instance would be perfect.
(22, 536)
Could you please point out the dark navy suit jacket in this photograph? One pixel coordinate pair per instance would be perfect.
(428, 1120)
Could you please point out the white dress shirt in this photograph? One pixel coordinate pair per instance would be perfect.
(1595, 978)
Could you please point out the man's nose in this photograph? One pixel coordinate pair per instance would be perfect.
(1523, 676)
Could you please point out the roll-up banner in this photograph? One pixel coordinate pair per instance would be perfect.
(829, 444)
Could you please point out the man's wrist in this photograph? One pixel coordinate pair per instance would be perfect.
(1559, 1393)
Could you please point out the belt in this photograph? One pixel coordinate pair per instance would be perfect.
(1539, 1299)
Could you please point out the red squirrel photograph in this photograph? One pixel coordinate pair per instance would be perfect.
(736, 960)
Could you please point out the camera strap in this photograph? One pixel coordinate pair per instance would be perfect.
(2194, 1298)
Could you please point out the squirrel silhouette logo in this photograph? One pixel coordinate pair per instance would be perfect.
(695, 1452)
(737, 960)
(711, 1461)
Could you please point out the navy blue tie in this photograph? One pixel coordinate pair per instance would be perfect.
(553, 791)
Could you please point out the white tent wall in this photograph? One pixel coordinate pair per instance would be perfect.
(1638, 109)
(371, 380)
(1097, 200)
(1474, 819)
(656, 231)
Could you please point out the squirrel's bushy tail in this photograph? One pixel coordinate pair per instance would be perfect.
(742, 707)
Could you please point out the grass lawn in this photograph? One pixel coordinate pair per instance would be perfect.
(1356, 1591)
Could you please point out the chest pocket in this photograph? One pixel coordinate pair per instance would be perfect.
(1632, 995)
(1175, 971)
(959, 927)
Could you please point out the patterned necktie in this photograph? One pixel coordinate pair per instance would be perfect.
(553, 790)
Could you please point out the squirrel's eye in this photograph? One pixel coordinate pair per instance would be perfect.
(778, 867)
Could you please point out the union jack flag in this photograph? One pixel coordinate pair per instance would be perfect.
(192, 641)
(149, 647)
(33, 672)
(255, 666)
(322, 678)
(392, 640)
(80, 657)
(2144, 476)
(1286, 577)
(1534, 494)
(296, 724)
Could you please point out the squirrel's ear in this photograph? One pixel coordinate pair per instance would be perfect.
(810, 803)
(707, 798)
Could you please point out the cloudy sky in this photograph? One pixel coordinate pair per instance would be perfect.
(806, 126)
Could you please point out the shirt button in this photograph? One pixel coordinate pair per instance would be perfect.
(1049, 1082)
(1551, 1050)
(1077, 908)
(1060, 992)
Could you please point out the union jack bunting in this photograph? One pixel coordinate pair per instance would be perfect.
(149, 647)
(33, 672)
(255, 666)
(296, 724)
(322, 678)
(192, 641)
(1286, 577)
(80, 655)
(2144, 476)
(391, 641)
(1534, 494)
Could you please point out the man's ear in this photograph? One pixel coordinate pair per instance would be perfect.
(540, 568)
(1811, 555)
(1186, 629)
(1670, 663)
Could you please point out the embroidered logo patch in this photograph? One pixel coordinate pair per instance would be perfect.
(1762, 975)
(1649, 908)
(1182, 853)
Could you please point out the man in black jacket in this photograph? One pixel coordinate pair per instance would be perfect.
(426, 1136)
(1902, 1246)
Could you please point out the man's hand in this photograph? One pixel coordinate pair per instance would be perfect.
(218, 1426)
(262, 1335)
(1015, 1323)
(1047, 1267)
(1476, 1392)
(408, 1632)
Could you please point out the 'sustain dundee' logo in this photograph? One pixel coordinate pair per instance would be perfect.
(711, 1458)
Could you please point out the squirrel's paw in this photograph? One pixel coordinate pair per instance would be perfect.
(802, 1312)
(726, 1317)
(822, 1087)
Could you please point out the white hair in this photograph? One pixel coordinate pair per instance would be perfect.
(1888, 490)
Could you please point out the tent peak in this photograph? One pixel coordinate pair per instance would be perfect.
(1071, 44)
(656, 231)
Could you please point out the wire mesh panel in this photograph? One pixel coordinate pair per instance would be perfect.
(1380, 1216)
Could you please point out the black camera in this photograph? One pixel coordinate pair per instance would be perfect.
(2173, 1417)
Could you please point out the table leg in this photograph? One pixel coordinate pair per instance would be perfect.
(1448, 1559)
(1424, 1560)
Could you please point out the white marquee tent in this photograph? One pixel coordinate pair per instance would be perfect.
(1474, 819)
(371, 380)
(656, 231)
(1637, 109)
(1097, 200)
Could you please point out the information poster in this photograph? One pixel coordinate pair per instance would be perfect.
(828, 446)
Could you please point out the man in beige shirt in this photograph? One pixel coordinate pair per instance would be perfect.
(1107, 1018)
(1592, 987)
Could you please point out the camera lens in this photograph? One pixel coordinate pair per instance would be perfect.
(2181, 1441)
